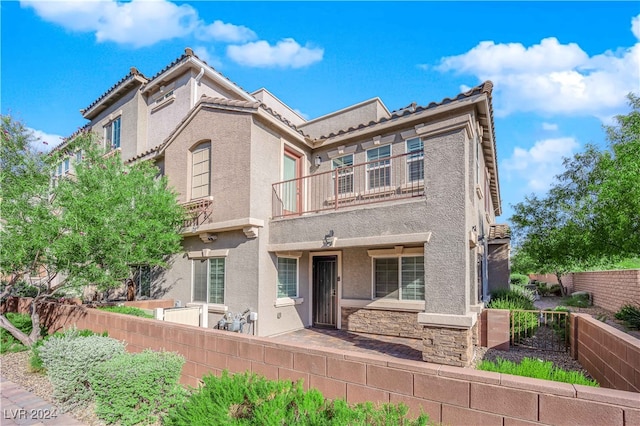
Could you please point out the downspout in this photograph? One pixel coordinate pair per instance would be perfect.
(195, 87)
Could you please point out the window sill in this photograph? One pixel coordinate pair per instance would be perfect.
(288, 301)
(416, 185)
(214, 308)
(163, 103)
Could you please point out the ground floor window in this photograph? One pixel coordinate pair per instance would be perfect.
(287, 277)
(208, 280)
(399, 277)
(142, 280)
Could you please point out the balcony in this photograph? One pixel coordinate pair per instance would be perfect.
(383, 180)
(197, 213)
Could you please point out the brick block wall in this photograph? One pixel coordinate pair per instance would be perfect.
(450, 395)
(151, 304)
(611, 356)
(610, 289)
(377, 321)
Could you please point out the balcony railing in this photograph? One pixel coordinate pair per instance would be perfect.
(384, 179)
(197, 212)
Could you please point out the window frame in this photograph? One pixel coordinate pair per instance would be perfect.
(371, 167)
(413, 156)
(208, 280)
(343, 174)
(398, 258)
(280, 296)
(201, 146)
(113, 133)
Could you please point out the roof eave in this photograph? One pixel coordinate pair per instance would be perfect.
(109, 99)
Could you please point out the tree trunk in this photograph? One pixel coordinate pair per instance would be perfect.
(562, 287)
(22, 337)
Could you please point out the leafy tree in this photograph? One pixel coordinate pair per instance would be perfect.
(88, 228)
(592, 212)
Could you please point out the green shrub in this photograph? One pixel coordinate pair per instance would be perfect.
(512, 299)
(35, 360)
(521, 324)
(68, 360)
(137, 388)
(249, 399)
(127, 310)
(537, 369)
(630, 314)
(21, 289)
(519, 279)
(578, 301)
(8, 343)
(555, 289)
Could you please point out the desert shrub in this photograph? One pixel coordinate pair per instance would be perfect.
(519, 279)
(511, 299)
(555, 289)
(578, 301)
(8, 343)
(137, 388)
(35, 360)
(21, 289)
(538, 369)
(630, 314)
(127, 310)
(68, 359)
(249, 399)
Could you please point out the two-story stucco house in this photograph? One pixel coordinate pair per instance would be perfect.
(362, 219)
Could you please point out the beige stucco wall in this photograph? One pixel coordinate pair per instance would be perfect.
(362, 113)
(498, 266)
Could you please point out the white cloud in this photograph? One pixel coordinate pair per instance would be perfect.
(44, 142)
(541, 163)
(137, 23)
(286, 53)
(551, 77)
(205, 53)
(221, 31)
(549, 126)
(635, 26)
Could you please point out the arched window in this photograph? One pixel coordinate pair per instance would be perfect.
(200, 170)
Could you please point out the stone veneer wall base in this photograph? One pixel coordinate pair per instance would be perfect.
(450, 346)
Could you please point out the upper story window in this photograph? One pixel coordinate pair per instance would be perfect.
(345, 174)
(78, 156)
(200, 170)
(379, 167)
(112, 134)
(415, 160)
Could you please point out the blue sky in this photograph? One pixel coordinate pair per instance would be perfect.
(560, 70)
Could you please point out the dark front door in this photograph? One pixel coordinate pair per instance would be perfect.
(324, 291)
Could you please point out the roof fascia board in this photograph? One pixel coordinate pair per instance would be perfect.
(89, 114)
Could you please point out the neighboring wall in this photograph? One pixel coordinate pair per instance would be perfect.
(610, 289)
(612, 357)
(450, 395)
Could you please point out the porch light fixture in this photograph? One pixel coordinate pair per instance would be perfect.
(317, 161)
(327, 241)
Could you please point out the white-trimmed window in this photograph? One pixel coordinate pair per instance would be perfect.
(208, 280)
(200, 170)
(287, 277)
(379, 167)
(401, 278)
(112, 134)
(415, 160)
(345, 173)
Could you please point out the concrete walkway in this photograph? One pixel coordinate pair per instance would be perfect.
(21, 407)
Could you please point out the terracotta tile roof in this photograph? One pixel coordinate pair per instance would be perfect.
(485, 87)
(499, 232)
(133, 72)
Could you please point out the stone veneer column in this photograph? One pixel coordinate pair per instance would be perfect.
(448, 320)
(450, 346)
